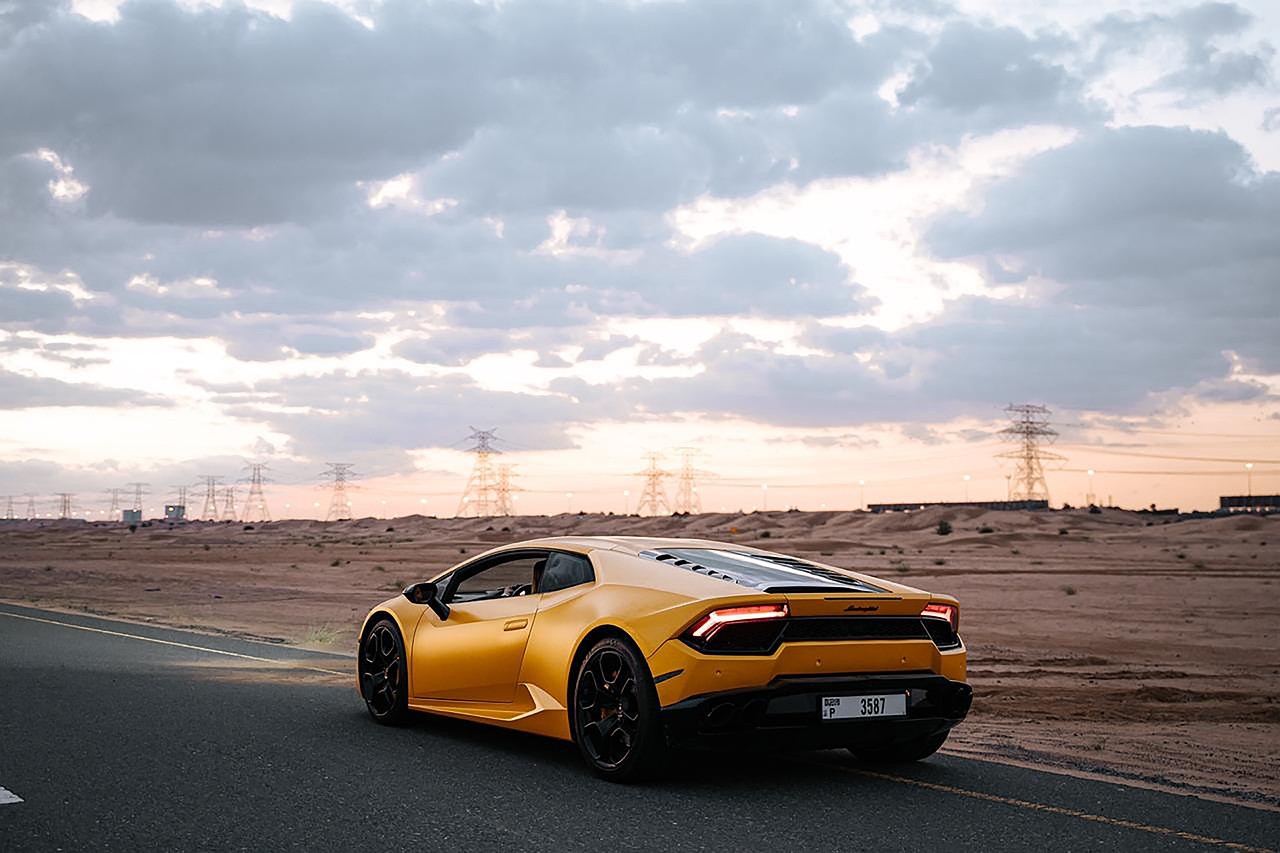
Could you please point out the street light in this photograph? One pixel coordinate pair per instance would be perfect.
(966, 478)
(1091, 499)
(568, 496)
(1248, 467)
(862, 493)
(626, 502)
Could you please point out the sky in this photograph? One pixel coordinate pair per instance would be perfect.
(824, 244)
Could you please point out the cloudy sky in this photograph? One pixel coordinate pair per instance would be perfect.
(822, 242)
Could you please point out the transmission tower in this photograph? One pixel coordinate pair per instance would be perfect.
(229, 503)
(480, 497)
(504, 501)
(210, 510)
(139, 489)
(687, 499)
(255, 508)
(31, 505)
(65, 500)
(338, 473)
(180, 498)
(1030, 430)
(653, 497)
(114, 511)
(8, 508)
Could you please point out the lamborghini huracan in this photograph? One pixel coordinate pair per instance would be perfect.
(631, 647)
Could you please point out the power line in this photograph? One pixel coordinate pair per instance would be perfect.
(1092, 449)
(338, 473)
(480, 498)
(1029, 428)
(255, 508)
(210, 510)
(653, 497)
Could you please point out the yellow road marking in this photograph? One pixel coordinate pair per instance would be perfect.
(1048, 809)
(277, 661)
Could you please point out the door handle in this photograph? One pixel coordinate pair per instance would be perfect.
(515, 624)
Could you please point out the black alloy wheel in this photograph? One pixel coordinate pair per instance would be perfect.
(383, 680)
(615, 713)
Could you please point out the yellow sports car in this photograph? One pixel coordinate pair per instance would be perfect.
(632, 646)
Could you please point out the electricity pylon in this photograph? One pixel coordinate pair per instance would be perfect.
(229, 503)
(480, 496)
(65, 500)
(504, 500)
(8, 508)
(687, 499)
(114, 512)
(338, 473)
(181, 499)
(210, 510)
(1030, 430)
(31, 505)
(139, 489)
(653, 497)
(255, 508)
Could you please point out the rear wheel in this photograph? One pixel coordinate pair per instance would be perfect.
(615, 713)
(901, 753)
(384, 680)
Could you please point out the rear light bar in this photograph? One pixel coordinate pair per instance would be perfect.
(949, 612)
(706, 627)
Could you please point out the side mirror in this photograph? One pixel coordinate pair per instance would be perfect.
(427, 593)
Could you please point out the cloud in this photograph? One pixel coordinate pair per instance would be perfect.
(19, 391)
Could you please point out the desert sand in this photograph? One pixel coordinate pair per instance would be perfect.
(1117, 643)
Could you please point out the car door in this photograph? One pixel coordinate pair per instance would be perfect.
(475, 653)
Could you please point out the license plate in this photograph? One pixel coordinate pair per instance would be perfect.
(859, 707)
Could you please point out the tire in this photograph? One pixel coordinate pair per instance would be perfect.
(901, 753)
(384, 675)
(614, 714)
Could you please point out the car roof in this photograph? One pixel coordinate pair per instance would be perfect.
(626, 544)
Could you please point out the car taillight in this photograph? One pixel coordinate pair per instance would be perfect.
(747, 629)
(944, 611)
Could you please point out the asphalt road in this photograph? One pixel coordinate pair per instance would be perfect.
(119, 742)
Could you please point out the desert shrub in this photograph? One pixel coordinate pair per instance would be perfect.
(765, 534)
(206, 546)
(939, 562)
(248, 527)
(1069, 590)
(1094, 509)
(133, 528)
(462, 550)
(335, 562)
(379, 568)
(944, 528)
(986, 530)
(1062, 531)
(391, 530)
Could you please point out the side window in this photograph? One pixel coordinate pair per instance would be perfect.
(501, 580)
(563, 571)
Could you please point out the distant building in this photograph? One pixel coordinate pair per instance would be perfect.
(1001, 505)
(1260, 504)
(175, 512)
(131, 516)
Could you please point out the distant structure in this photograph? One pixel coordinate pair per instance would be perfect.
(504, 499)
(114, 511)
(8, 508)
(131, 516)
(480, 497)
(653, 497)
(65, 501)
(1030, 430)
(255, 507)
(1255, 504)
(229, 503)
(916, 506)
(31, 505)
(175, 512)
(139, 489)
(338, 474)
(210, 510)
(687, 499)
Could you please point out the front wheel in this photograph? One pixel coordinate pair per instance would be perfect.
(615, 714)
(384, 680)
(901, 753)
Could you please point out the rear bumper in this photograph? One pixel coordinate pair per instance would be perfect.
(785, 715)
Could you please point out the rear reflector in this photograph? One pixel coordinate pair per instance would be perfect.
(708, 625)
(949, 612)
